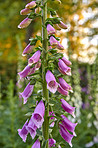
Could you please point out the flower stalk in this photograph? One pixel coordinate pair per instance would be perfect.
(49, 81)
(44, 65)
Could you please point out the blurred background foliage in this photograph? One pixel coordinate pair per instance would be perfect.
(81, 47)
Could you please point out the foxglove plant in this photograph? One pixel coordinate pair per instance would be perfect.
(47, 60)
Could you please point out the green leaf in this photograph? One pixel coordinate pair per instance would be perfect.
(33, 41)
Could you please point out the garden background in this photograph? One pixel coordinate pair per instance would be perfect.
(81, 47)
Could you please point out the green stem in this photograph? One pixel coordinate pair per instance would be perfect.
(44, 65)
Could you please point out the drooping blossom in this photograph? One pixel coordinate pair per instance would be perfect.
(27, 92)
(62, 25)
(25, 11)
(37, 10)
(24, 72)
(67, 62)
(38, 115)
(53, 41)
(51, 113)
(51, 82)
(62, 91)
(57, 27)
(65, 134)
(36, 144)
(52, 142)
(68, 108)
(27, 50)
(63, 68)
(64, 85)
(30, 5)
(68, 124)
(35, 58)
(59, 46)
(50, 29)
(31, 127)
(25, 23)
(36, 67)
(23, 132)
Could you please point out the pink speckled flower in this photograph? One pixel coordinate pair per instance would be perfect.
(38, 115)
(51, 82)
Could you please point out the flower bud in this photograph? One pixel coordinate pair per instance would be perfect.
(53, 41)
(25, 11)
(27, 50)
(62, 25)
(25, 23)
(67, 62)
(50, 29)
(30, 5)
